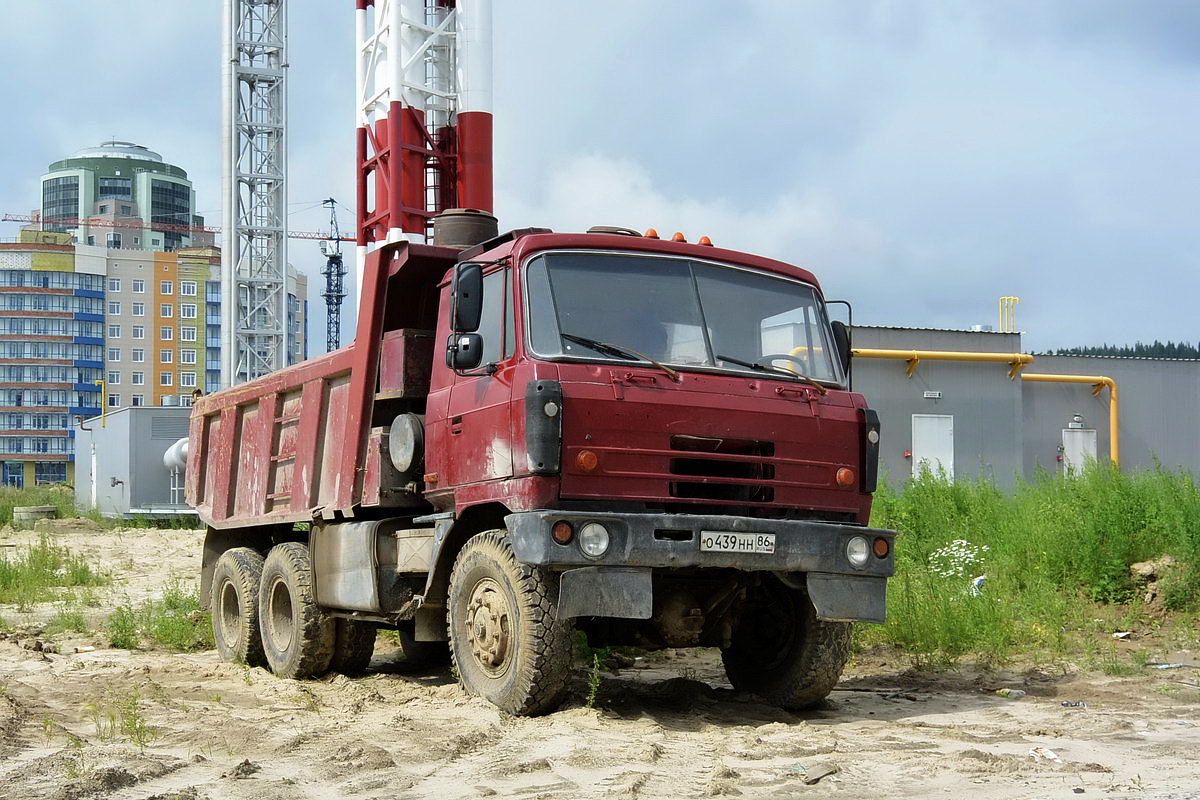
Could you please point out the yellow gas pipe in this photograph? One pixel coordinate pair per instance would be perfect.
(103, 401)
(1098, 382)
(1016, 361)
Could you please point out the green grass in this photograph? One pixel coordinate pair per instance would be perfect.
(173, 622)
(116, 715)
(68, 620)
(39, 573)
(593, 681)
(1057, 548)
(61, 496)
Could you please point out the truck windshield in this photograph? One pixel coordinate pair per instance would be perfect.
(685, 313)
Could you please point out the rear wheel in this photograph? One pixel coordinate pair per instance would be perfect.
(506, 640)
(780, 651)
(354, 644)
(234, 604)
(298, 638)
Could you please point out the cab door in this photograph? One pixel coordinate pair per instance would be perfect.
(479, 426)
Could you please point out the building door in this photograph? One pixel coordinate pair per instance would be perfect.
(933, 444)
(1079, 444)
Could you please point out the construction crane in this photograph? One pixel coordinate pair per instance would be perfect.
(335, 274)
(131, 224)
(254, 327)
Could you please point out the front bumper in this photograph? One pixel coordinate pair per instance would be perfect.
(640, 543)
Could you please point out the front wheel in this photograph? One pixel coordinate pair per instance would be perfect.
(506, 640)
(780, 651)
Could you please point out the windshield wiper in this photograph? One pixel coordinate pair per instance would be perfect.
(619, 351)
(758, 365)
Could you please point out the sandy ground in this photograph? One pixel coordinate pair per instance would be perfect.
(668, 727)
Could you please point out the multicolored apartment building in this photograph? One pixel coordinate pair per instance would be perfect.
(132, 321)
(51, 354)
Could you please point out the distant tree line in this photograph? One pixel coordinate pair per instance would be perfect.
(1138, 350)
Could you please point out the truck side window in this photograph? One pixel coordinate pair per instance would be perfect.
(510, 317)
(492, 322)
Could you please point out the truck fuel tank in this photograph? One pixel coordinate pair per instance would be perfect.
(358, 566)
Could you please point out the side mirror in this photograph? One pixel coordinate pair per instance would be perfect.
(464, 351)
(467, 298)
(841, 338)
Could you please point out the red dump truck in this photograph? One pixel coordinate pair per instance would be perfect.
(650, 441)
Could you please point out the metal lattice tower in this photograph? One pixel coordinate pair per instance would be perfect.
(254, 172)
(424, 115)
(335, 275)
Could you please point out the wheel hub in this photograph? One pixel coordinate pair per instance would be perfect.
(489, 627)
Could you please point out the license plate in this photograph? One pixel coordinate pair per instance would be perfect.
(726, 542)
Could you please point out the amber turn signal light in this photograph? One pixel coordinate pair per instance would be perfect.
(587, 461)
(880, 547)
(845, 477)
(562, 532)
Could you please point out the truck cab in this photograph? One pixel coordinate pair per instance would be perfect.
(650, 441)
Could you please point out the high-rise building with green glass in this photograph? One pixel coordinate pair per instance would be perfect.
(118, 195)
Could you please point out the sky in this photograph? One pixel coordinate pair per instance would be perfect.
(921, 158)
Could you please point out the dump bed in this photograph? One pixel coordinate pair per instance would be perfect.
(288, 446)
(271, 450)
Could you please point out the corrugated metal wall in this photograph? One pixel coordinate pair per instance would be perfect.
(985, 404)
(1159, 410)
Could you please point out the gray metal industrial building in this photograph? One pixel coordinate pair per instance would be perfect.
(971, 419)
(119, 462)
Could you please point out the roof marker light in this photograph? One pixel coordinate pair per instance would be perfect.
(704, 240)
(678, 237)
(651, 233)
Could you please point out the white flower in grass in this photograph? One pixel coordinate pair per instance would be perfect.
(956, 559)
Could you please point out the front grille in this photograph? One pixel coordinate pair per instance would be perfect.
(723, 470)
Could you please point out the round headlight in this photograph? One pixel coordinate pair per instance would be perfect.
(593, 539)
(857, 551)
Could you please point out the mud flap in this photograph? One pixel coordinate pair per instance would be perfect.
(606, 592)
(848, 598)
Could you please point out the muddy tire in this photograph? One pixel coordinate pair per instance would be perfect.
(781, 652)
(353, 646)
(233, 599)
(298, 638)
(506, 641)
